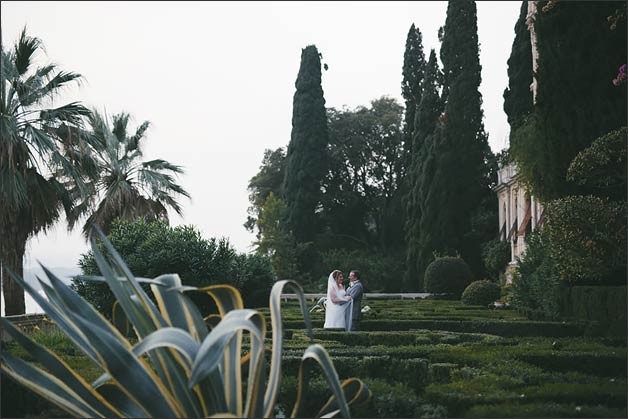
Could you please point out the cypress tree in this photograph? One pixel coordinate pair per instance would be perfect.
(576, 100)
(411, 85)
(306, 159)
(456, 195)
(425, 122)
(518, 96)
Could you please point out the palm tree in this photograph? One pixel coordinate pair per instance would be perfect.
(126, 187)
(43, 156)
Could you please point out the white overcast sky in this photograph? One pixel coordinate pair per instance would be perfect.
(216, 79)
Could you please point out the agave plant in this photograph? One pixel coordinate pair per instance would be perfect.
(177, 367)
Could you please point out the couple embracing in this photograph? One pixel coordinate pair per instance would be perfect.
(343, 306)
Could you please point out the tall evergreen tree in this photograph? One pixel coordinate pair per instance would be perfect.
(306, 159)
(425, 122)
(411, 85)
(456, 195)
(518, 96)
(576, 101)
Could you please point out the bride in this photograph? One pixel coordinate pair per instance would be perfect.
(338, 306)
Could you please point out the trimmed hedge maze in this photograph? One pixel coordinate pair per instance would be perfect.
(435, 358)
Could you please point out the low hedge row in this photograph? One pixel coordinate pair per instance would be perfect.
(387, 401)
(603, 365)
(500, 328)
(539, 410)
(403, 338)
(411, 371)
(459, 396)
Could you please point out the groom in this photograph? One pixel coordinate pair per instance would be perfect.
(355, 290)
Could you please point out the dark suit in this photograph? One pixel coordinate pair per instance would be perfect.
(355, 291)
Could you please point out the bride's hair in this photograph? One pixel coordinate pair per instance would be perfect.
(335, 274)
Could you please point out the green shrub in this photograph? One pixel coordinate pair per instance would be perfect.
(379, 272)
(448, 275)
(496, 255)
(603, 303)
(481, 293)
(536, 289)
(588, 239)
(601, 167)
(152, 248)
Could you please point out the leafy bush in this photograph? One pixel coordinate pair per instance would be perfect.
(151, 248)
(481, 293)
(379, 272)
(448, 275)
(536, 287)
(177, 368)
(588, 239)
(496, 255)
(601, 167)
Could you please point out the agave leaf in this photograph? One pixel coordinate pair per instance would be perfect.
(61, 370)
(96, 278)
(47, 386)
(256, 383)
(169, 337)
(118, 318)
(118, 398)
(319, 354)
(212, 349)
(274, 378)
(355, 392)
(227, 298)
(132, 375)
(176, 308)
(145, 318)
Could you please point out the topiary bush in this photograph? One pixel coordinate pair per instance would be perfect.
(481, 293)
(447, 275)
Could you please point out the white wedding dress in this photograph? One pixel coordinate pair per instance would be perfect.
(338, 311)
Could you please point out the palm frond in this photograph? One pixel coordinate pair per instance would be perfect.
(25, 48)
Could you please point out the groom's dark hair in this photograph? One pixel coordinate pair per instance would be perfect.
(356, 273)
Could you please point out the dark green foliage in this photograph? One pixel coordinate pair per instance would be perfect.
(153, 248)
(459, 207)
(268, 180)
(448, 275)
(361, 205)
(588, 239)
(306, 159)
(425, 122)
(518, 96)
(412, 84)
(496, 254)
(605, 304)
(254, 277)
(481, 293)
(275, 242)
(536, 285)
(601, 167)
(379, 272)
(576, 101)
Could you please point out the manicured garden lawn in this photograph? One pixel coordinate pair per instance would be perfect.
(431, 358)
